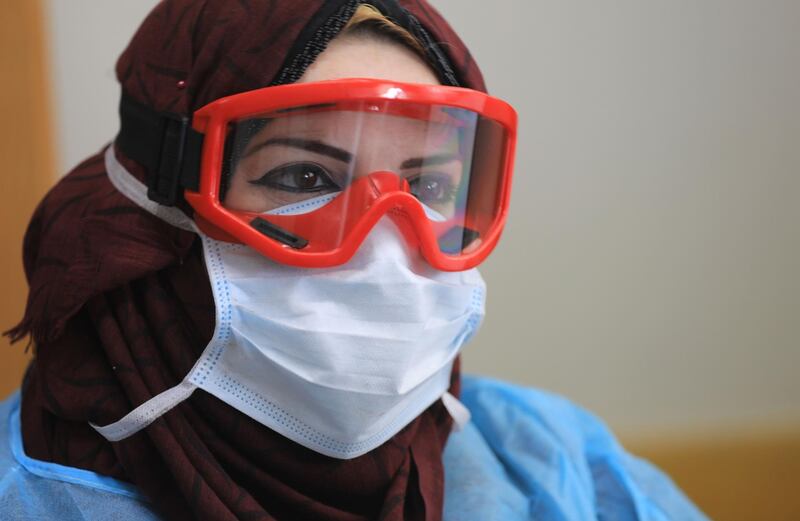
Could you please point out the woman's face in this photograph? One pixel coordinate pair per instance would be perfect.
(291, 159)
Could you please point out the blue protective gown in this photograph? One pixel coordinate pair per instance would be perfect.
(526, 455)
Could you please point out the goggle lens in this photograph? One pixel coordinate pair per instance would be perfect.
(311, 172)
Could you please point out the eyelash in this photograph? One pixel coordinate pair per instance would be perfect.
(450, 191)
(272, 178)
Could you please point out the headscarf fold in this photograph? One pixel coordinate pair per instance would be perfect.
(120, 307)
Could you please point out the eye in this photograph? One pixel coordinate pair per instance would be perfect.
(298, 177)
(432, 188)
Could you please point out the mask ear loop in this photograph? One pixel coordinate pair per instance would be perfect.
(156, 406)
(458, 411)
(146, 413)
(136, 191)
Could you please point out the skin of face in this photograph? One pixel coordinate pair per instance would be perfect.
(366, 57)
(375, 142)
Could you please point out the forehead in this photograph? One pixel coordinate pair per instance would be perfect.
(357, 132)
(349, 123)
(365, 57)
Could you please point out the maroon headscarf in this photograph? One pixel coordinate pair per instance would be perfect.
(120, 306)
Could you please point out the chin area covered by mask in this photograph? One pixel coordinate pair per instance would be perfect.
(121, 308)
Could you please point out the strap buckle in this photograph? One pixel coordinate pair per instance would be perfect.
(165, 144)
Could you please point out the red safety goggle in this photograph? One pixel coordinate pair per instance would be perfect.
(302, 172)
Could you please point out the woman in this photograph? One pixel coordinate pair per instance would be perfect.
(303, 258)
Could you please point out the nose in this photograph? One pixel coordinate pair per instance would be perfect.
(385, 181)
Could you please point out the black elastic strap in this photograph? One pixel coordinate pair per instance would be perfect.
(321, 28)
(165, 144)
(333, 16)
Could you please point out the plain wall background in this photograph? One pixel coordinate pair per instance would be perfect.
(649, 269)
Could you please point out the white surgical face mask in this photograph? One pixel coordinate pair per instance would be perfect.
(337, 359)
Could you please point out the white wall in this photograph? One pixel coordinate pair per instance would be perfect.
(650, 267)
(86, 38)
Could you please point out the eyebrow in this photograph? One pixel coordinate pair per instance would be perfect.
(417, 162)
(312, 145)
